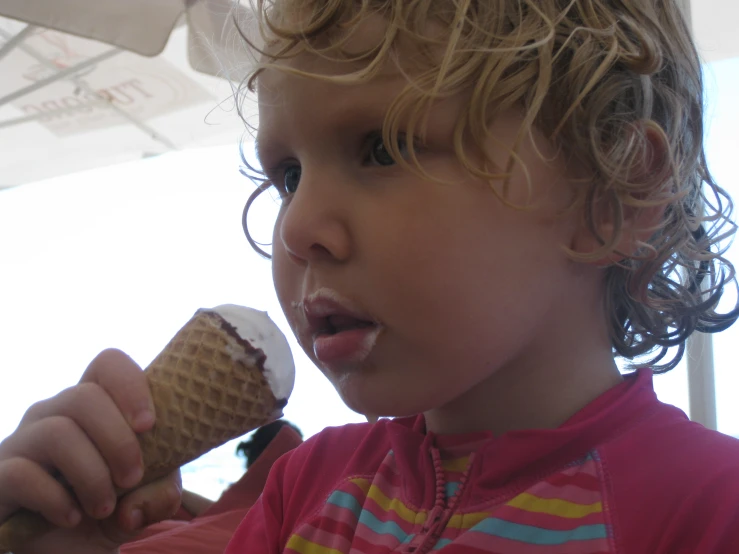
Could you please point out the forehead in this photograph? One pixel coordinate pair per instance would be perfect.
(289, 103)
(312, 92)
(326, 86)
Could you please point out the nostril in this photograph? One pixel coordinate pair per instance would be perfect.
(295, 258)
(319, 249)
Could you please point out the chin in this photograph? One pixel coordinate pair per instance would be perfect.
(381, 405)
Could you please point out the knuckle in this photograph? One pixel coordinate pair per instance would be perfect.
(57, 430)
(111, 357)
(35, 412)
(174, 493)
(125, 453)
(86, 393)
(97, 494)
(98, 482)
(110, 354)
(13, 476)
(34, 409)
(173, 499)
(13, 473)
(177, 476)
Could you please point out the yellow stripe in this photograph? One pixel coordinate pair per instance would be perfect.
(466, 521)
(363, 484)
(554, 506)
(458, 465)
(395, 505)
(299, 544)
(387, 504)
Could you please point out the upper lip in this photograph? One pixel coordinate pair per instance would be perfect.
(324, 303)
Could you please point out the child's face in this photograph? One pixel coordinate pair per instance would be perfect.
(459, 286)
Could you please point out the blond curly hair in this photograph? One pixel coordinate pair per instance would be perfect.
(593, 76)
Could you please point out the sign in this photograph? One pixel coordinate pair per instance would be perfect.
(145, 88)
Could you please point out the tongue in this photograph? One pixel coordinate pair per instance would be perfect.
(345, 322)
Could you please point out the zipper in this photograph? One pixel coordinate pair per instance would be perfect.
(442, 511)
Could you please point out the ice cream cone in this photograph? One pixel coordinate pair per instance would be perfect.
(210, 384)
(209, 387)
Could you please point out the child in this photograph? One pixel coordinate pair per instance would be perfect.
(482, 202)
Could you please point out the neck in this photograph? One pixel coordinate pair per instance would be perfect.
(513, 401)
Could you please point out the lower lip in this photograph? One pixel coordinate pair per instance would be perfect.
(351, 346)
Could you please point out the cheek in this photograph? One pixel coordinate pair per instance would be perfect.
(281, 274)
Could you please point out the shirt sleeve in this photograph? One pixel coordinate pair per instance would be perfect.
(262, 528)
(301, 481)
(711, 525)
(208, 535)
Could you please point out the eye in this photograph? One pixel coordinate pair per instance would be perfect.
(291, 179)
(378, 153)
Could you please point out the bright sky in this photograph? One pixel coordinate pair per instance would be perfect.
(122, 256)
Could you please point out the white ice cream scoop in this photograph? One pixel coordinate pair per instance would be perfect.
(261, 332)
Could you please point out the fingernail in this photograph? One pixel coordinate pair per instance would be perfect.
(136, 519)
(143, 419)
(132, 478)
(74, 517)
(104, 510)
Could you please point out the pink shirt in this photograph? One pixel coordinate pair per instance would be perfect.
(627, 474)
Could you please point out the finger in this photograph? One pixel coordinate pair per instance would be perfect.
(124, 381)
(149, 504)
(26, 484)
(95, 412)
(58, 442)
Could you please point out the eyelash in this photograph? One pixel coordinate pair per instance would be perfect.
(276, 175)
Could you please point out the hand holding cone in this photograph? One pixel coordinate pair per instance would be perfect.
(228, 371)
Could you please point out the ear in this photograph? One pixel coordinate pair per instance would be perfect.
(636, 220)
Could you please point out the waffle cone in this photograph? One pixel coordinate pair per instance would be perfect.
(208, 387)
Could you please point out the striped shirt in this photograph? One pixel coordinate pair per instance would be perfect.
(626, 475)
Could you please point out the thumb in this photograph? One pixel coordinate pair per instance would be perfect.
(144, 506)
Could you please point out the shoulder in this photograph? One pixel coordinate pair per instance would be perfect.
(666, 442)
(344, 441)
(304, 478)
(680, 477)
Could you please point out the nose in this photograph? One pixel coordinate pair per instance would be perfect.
(314, 225)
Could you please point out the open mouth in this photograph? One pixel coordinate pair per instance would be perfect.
(335, 324)
(341, 332)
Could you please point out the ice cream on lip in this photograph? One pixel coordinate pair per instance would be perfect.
(341, 331)
(325, 302)
(256, 328)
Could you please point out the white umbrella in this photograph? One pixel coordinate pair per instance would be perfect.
(89, 83)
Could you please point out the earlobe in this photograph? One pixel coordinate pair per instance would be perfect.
(618, 224)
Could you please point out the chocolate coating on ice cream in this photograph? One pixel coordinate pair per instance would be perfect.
(255, 330)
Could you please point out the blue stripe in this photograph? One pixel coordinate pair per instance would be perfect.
(442, 543)
(536, 535)
(382, 527)
(345, 500)
(451, 489)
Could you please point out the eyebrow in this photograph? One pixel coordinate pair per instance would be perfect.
(262, 149)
